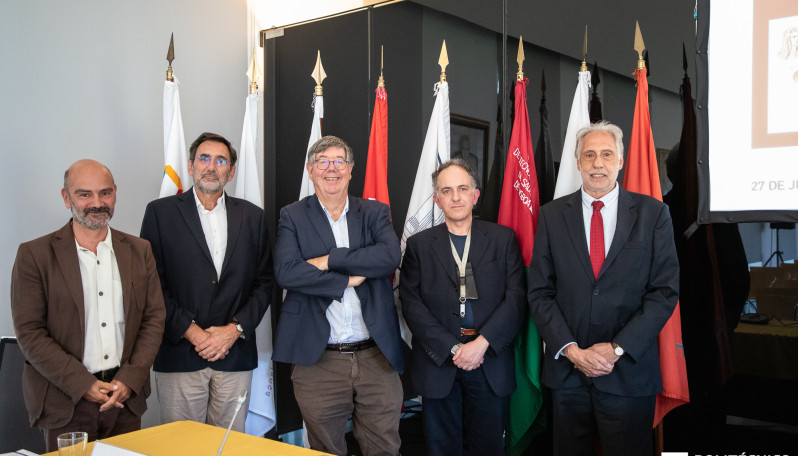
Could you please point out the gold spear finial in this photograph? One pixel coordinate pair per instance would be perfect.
(443, 61)
(584, 52)
(318, 74)
(381, 81)
(639, 47)
(520, 59)
(253, 72)
(170, 55)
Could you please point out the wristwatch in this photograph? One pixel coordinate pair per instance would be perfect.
(618, 350)
(239, 328)
(455, 348)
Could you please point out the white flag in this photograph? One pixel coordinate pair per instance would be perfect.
(261, 416)
(569, 180)
(422, 212)
(175, 177)
(306, 188)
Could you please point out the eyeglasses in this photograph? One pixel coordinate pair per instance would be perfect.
(324, 163)
(220, 161)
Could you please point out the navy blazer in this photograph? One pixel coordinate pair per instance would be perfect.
(191, 289)
(303, 233)
(429, 292)
(632, 299)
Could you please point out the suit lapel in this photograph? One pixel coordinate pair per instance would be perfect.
(320, 223)
(354, 223)
(235, 215)
(67, 256)
(123, 262)
(627, 216)
(442, 250)
(575, 223)
(188, 209)
(479, 243)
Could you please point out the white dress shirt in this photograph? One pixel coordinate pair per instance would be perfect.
(214, 226)
(102, 301)
(345, 316)
(609, 215)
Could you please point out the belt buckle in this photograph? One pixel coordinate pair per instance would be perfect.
(343, 351)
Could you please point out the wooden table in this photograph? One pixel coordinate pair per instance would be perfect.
(199, 439)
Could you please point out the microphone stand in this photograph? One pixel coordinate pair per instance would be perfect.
(239, 403)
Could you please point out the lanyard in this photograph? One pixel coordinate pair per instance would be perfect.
(461, 265)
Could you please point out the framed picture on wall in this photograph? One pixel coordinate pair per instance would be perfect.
(469, 141)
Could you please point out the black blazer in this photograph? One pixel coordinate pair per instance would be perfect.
(190, 286)
(629, 303)
(429, 293)
(304, 232)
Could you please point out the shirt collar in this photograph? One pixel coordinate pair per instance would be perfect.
(219, 202)
(107, 241)
(343, 213)
(609, 198)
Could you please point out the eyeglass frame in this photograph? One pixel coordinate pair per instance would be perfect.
(343, 163)
(219, 159)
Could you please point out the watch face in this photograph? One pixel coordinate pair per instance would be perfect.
(619, 351)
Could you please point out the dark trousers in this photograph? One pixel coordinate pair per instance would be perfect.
(98, 425)
(622, 424)
(471, 408)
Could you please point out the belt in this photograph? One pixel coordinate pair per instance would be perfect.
(351, 347)
(106, 375)
(468, 332)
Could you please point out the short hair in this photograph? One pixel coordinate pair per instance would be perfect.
(327, 142)
(459, 162)
(604, 126)
(213, 137)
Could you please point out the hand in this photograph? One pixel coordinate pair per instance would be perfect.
(99, 392)
(588, 361)
(218, 344)
(320, 262)
(355, 281)
(195, 334)
(471, 355)
(119, 396)
(605, 349)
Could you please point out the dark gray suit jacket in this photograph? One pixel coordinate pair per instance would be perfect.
(191, 289)
(429, 292)
(304, 232)
(629, 303)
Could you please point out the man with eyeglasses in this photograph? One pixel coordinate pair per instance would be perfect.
(338, 324)
(214, 261)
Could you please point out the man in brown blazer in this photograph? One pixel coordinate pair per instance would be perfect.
(89, 315)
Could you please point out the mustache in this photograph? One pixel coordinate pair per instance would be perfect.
(97, 210)
(210, 173)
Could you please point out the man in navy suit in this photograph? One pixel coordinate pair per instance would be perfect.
(462, 290)
(214, 260)
(603, 281)
(338, 324)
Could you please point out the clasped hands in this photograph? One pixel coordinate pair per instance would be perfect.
(321, 264)
(471, 355)
(594, 361)
(213, 343)
(108, 395)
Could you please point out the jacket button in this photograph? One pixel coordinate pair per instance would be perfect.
(595, 292)
(213, 282)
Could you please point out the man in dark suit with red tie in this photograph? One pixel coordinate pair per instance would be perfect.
(603, 281)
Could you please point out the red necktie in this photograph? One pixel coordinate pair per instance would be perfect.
(597, 238)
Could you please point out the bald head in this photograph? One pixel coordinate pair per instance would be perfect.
(89, 193)
(86, 166)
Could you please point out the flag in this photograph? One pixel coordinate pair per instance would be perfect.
(306, 187)
(376, 186)
(595, 101)
(490, 198)
(519, 210)
(422, 213)
(175, 170)
(642, 176)
(261, 415)
(569, 180)
(544, 158)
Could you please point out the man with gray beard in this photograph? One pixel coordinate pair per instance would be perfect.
(214, 260)
(89, 314)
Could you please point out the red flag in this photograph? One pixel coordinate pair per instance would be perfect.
(518, 210)
(376, 186)
(520, 199)
(642, 176)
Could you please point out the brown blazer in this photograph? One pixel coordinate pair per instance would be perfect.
(49, 320)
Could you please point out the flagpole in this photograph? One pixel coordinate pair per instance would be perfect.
(175, 178)
(318, 75)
